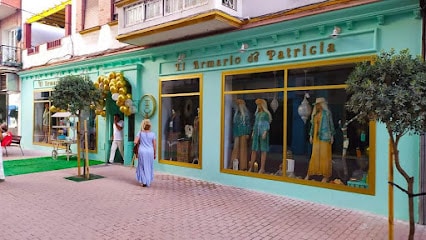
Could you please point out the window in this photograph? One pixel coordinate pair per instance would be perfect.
(47, 128)
(90, 117)
(42, 129)
(274, 127)
(181, 120)
(232, 4)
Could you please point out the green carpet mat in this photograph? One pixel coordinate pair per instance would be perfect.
(42, 164)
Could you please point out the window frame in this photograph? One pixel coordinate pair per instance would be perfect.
(162, 118)
(286, 89)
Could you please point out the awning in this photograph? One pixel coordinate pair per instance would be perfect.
(61, 114)
(54, 16)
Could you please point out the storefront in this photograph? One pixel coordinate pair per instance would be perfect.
(241, 116)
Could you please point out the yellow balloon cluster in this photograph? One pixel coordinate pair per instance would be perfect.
(118, 86)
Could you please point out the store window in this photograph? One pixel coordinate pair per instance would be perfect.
(291, 124)
(181, 120)
(42, 129)
(47, 128)
(91, 121)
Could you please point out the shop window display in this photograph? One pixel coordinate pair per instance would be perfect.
(90, 117)
(299, 126)
(42, 118)
(43, 128)
(180, 117)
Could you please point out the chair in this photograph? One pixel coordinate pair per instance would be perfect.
(16, 141)
(6, 141)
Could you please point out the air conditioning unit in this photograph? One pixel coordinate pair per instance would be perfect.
(9, 82)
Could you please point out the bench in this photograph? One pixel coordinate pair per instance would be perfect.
(15, 142)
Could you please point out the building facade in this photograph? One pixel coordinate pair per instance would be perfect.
(231, 91)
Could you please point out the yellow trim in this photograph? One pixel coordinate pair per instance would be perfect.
(48, 12)
(204, 17)
(113, 23)
(200, 118)
(372, 124)
(89, 30)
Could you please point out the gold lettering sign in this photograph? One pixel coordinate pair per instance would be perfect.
(271, 54)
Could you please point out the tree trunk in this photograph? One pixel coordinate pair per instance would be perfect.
(411, 207)
(410, 183)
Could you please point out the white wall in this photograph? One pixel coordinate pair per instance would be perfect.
(252, 8)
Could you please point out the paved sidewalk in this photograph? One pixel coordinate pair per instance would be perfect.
(47, 206)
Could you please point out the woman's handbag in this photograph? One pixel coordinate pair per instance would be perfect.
(135, 149)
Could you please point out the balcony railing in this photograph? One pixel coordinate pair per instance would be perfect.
(54, 44)
(10, 56)
(142, 11)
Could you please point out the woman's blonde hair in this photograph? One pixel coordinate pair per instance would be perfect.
(146, 124)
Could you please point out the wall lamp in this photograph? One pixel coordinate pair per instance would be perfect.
(244, 47)
(181, 57)
(336, 32)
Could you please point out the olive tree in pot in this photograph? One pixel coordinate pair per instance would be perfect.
(392, 90)
(75, 93)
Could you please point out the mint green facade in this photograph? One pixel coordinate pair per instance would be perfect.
(366, 30)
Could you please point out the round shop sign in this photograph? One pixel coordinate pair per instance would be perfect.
(147, 105)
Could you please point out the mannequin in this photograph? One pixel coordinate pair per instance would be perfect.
(241, 130)
(46, 116)
(195, 136)
(173, 131)
(321, 136)
(260, 135)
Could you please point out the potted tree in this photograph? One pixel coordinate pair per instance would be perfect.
(392, 90)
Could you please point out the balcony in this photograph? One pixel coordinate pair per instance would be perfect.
(8, 8)
(145, 23)
(10, 57)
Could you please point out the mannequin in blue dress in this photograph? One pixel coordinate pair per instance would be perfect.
(260, 135)
(241, 129)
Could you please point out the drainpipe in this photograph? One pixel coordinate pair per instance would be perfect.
(422, 202)
(83, 13)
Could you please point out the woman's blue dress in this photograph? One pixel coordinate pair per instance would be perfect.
(145, 168)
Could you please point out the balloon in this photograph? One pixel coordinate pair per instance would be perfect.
(119, 84)
(121, 98)
(101, 85)
(119, 103)
(106, 81)
(52, 109)
(113, 89)
(106, 87)
(128, 102)
(96, 84)
(97, 111)
(114, 96)
(103, 113)
(123, 109)
(111, 75)
(129, 96)
(122, 90)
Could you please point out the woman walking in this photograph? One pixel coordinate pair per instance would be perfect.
(146, 154)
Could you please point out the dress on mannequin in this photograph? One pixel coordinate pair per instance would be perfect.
(260, 135)
(173, 134)
(241, 130)
(321, 136)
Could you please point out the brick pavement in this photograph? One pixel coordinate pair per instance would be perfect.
(47, 206)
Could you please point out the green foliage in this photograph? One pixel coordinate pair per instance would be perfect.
(74, 93)
(392, 90)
